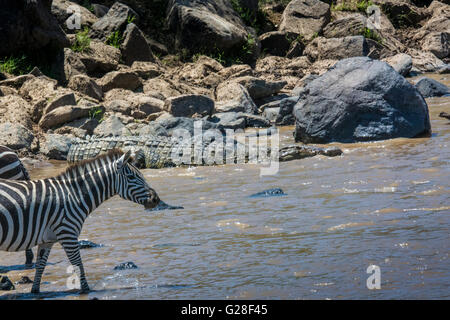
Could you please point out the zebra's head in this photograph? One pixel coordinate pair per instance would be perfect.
(131, 184)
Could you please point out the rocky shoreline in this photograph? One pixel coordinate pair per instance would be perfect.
(330, 68)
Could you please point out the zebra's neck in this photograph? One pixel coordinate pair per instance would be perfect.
(90, 184)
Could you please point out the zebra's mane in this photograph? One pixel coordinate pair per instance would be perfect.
(108, 157)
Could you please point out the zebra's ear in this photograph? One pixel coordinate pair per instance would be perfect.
(123, 160)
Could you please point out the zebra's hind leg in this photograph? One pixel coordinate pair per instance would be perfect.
(29, 258)
(42, 256)
(72, 249)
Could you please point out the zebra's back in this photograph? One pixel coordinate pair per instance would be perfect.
(27, 210)
(10, 165)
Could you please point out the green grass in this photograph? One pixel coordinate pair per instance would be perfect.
(16, 65)
(115, 39)
(82, 41)
(370, 34)
(131, 19)
(256, 20)
(349, 5)
(96, 113)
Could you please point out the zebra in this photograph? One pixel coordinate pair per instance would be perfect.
(12, 168)
(43, 212)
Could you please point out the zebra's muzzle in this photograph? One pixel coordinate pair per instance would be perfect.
(152, 201)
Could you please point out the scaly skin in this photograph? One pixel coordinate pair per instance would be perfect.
(156, 152)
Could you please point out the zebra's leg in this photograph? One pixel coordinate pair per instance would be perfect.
(42, 256)
(29, 257)
(72, 249)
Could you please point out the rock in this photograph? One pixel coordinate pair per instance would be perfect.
(79, 128)
(38, 88)
(431, 88)
(237, 99)
(337, 48)
(445, 69)
(146, 70)
(115, 20)
(351, 25)
(189, 105)
(166, 127)
(16, 82)
(251, 5)
(112, 126)
(257, 88)
(295, 50)
(15, 136)
(157, 48)
(206, 25)
(6, 284)
(55, 146)
(66, 65)
(133, 104)
(85, 85)
(61, 12)
(444, 115)
(276, 43)
(275, 192)
(134, 46)
(402, 63)
(425, 61)
(63, 115)
(24, 280)
(360, 99)
(229, 120)
(100, 58)
(29, 27)
(401, 13)
(303, 82)
(162, 86)
(305, 17)
(119, 79)
(254, 121)
(280, 111)
(125, 266)
(99, 10)
(86, 244)
(63, 99)
(437, 43)
(15, 110)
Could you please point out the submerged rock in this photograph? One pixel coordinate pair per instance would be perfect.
(86, 244)
(444, 115)
(24, 280)
(431, 88)
(275, 192)
(125, 266)
(6, 284)
(360, 99)
(164, 206)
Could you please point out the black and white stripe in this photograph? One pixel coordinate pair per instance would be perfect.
(12, 168)
(42, 212)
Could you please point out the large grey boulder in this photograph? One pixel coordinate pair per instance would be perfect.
(305, 17)
(15, 136)
(205, 25)
(60, 9)
(116, 19)
(100, 58)
(431, 88)
(360, 99)
(28, 26)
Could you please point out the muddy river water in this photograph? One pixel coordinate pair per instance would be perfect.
(384, 203)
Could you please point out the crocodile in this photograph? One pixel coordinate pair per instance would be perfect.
(160, 152)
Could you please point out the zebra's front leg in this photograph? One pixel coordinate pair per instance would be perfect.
(72, 249)
(42, 256)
